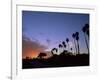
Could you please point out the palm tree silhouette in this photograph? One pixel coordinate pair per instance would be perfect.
(85, 30)
(73, 35)
(77, 39)
(54, 50)
(64, 44)
(61, 48)
(67, 40)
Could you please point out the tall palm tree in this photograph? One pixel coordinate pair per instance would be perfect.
(67, 40)
(85, 30)
(77, 39)
(73, 35)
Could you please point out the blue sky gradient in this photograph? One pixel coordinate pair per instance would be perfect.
(51, 28)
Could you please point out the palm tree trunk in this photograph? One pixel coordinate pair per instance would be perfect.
(68, 46)
(78, 47)
(75, 45)
(86, 43)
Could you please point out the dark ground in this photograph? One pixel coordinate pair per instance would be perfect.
(62, 60)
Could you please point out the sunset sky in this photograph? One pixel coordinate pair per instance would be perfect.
(42, 31)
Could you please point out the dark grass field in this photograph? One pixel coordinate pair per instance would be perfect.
(62, 60)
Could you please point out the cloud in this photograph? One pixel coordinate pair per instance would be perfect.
(31, 47)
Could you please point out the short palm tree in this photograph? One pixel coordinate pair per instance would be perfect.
(61, 48)
(54, 51)
(64, 44)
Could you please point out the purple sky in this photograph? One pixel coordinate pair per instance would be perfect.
(51, 28)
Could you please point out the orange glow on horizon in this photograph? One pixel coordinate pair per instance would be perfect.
(34, 54)
(30, 54)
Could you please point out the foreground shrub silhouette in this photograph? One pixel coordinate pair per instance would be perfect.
(41, 55)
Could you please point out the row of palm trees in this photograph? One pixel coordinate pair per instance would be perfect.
(75, 37)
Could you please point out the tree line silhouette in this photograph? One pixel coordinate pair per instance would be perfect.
(75, 37)
(66, 56)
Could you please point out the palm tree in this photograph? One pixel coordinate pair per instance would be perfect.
(64, 44)
(85, 30)
(61, 48)
(67, 40)
(77, 39)
(54, 50)
(73, 35)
